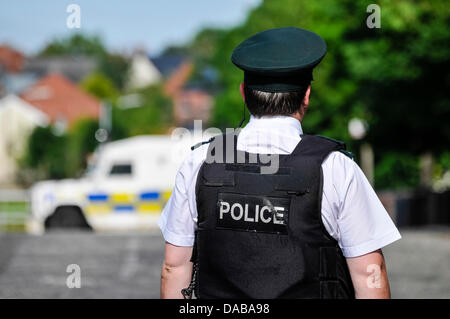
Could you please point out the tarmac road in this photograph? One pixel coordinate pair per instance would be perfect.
(111, 265)
(128, 265)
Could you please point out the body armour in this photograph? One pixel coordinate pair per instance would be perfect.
(261, 235)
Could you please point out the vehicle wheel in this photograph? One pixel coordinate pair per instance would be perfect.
(67, 217)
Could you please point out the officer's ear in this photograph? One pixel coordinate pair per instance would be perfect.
(306, 98)
(241, 89)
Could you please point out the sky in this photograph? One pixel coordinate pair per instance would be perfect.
(122, 24)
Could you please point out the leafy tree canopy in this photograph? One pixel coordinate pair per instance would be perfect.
(100, 86)
(76, 44)
(113, 66)
(395, 77)
(152, 116)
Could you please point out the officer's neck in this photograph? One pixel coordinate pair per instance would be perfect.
(298, 116)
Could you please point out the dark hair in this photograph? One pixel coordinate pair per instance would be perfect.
(261, 103)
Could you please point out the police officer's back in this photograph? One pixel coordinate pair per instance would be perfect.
(272, 212)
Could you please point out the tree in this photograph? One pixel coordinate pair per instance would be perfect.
(45, 153)
(54, 156)
(115, 67)
(153, 116)
(395, 77)
(100, 86)
(76, 44)
(80, 143)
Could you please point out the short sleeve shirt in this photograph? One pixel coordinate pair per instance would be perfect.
(351, 211)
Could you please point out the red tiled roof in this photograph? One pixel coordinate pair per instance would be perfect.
(10, 59)
(178, 78)
(59, 98)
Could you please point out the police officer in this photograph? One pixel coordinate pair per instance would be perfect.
(311, 228)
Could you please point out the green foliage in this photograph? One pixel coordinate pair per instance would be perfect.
(154, 116)
(402, 76)
(115, 67)
(442, 165)
(397, 170)
(76, 44)
(100, 86)
(46, 153)
(52, 156)
(396, 78)
(80, 143)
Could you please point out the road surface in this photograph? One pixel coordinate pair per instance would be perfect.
(128, 265)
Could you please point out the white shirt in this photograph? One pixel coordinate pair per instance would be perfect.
(351, 211)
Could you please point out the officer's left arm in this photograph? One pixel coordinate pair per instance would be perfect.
(176, 271)
(369, 276)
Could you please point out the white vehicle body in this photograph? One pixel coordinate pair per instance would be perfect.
(126, 188)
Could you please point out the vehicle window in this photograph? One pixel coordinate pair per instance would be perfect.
(121, 169)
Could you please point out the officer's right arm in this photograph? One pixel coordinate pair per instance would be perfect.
(176, 271)
(178, 226)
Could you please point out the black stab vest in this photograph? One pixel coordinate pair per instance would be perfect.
(261, 235)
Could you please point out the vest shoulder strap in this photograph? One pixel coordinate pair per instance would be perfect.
(201, 143)
(333, 140)
(343, 147)
(348, 154)
(317, 146)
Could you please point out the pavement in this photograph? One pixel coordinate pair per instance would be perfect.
(128, 265)
(418, 265)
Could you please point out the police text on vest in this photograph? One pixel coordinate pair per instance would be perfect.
(252, 213)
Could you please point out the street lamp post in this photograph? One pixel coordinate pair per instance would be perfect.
(358, 130)
(105, 123)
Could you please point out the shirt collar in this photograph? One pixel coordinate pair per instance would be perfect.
(282, 122)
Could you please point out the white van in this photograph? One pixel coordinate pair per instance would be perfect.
(126, 187)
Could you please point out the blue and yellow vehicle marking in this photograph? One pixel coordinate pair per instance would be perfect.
(122, 198)
(124, 208)
(98, 197)
(149, 196)
(148, 202)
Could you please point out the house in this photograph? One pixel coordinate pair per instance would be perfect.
(191, 100)
(11, 60)
(17, 119)
(167, 64)
(52, 99)
(18, 72)
(174, 72)
(16, 83)
(73, 67)
(61, 100)
(12, 79)
(178, 78)
(142, 72)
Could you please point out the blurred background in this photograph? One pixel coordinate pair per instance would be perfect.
(91, 91)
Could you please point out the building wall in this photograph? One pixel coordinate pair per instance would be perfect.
(17, 120)
(190, 105)
(142, 73)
